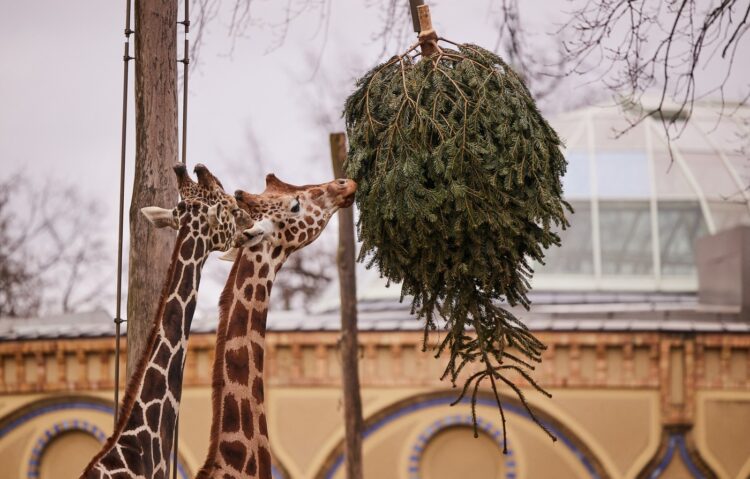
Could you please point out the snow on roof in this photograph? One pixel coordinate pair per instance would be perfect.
(552, 312)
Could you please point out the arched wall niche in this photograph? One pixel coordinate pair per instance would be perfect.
(571, 441)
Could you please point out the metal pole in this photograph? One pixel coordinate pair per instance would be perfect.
(185, 69)
(118, 294)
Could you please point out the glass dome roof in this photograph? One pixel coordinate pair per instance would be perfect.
(638, 210)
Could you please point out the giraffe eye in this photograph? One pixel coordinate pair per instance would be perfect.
(295, 205)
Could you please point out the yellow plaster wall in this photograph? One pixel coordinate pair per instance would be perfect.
(722, 431)
(621, 427)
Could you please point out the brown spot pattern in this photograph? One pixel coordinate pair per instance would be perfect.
(230, 420)
(258, 321)
(237, 364)
(264, 463)
(260, 293)
(186, 284)
(172, 322)
(154, 385)
(233, 453)
(247, 419)
(257, 390)
(186, 250)
(237, 326)
(263, 271)
(262, 425)
(246, 269)
(258, 356)
(252, 466)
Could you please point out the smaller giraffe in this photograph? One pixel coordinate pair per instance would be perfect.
(286, 218)
(141, 444)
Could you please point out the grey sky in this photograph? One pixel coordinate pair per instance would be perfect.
(60, 88)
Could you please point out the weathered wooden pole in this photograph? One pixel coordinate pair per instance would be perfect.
(155, 153)
(345, 258)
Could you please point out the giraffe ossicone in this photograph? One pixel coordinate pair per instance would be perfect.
(206, 220)
(285, 219)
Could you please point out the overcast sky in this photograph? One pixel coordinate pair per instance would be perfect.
(61, 77)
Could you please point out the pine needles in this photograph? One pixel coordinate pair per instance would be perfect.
(459, 192)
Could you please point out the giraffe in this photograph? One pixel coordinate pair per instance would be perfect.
(286, 218)
(206, 219)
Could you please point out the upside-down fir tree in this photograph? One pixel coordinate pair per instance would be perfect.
(459, 192)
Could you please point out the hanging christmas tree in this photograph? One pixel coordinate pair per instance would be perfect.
(459, 194)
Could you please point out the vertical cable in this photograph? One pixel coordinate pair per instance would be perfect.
(185, 70)
(118, 294)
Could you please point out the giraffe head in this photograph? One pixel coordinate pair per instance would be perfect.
(206, 212)
(289, 217)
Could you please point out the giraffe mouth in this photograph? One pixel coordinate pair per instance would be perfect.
(257, 233)
(344, 190)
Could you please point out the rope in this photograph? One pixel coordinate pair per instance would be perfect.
(118, 294)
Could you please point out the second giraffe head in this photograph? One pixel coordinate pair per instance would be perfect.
(289, 217)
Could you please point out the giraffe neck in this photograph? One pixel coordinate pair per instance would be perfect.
(239, 433)
(141, 444)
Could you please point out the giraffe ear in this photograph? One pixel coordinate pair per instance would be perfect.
(160, 217)
(230, 255)
(213, 215)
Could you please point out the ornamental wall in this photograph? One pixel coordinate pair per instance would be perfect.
(624, 405)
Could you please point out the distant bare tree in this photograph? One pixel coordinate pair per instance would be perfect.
(51, 253)
(638, 45)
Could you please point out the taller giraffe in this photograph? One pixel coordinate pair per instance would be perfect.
(287, 218)
(141, 443)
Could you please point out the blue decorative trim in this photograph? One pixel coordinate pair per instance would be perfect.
(677, 441)
(442, 401)
(50, 433)
(19, 421)
(275, 473)
(441, 424)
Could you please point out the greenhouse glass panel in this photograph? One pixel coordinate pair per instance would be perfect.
(714, 178)
(622, 175)
(680, 224)
(670, 179)
(727, 213)
(625, 231)
(577, 179)
(576, 255)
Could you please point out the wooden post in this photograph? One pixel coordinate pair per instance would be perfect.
(345, 259)
(155, 154)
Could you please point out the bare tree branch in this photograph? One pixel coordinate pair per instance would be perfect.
(640, 45)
